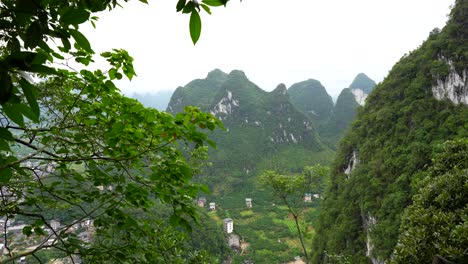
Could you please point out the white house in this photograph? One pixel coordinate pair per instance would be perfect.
(55, 224)
(248, 202)
(201, 201)
(228, 225)
(212, 206)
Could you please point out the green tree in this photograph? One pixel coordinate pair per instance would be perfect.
(437, 221)
(73, 149)
(290, 190)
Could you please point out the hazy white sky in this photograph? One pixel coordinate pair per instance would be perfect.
(272, 41)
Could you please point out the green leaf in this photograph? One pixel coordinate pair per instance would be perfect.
(186, 171)
(5, 175)
(29, 93)
(39, 231)
(37, 68)
(211, 143)
(66, 44)
(26, 9)
(180, 5)
(27, 230)
(188, 8)
(6, 134)
(195, 26)
(33, 35)
(74, 16)
(6, 86)
(214, 2)
(81, 40)
(27, 112)
(12, 112)
(4, 145)
(174, 220)
(205, 189)
(206, 8)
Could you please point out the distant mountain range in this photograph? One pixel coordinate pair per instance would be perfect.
(158, 100)
(264, 130)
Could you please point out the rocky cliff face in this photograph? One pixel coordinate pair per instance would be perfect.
(454, 86)
(361, 87)
(420, 104)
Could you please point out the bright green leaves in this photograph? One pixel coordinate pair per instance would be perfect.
(93, 154)
(436, 222)
(121, 61)
(215, 2)
(195, 26)
(192, 7)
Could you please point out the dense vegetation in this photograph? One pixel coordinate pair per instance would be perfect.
(390, 143)
(436, 222)
(311, 98)
(73, 149)
(340, 119)
(263, 131)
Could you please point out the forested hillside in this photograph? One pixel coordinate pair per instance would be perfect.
(345, 109)
(311, 98)
(420, 104)
(262, 130)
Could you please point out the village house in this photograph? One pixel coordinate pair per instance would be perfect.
(308, 197)
(228, 225)
(55, 224)
(248, 202)
(212, 206)
(201, 201)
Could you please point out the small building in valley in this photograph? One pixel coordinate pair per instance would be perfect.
(201, 201)
(55, 225)
(228, 225)
(212, 206)
(248, 202)
(308, 197)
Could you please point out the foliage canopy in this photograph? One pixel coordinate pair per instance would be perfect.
(73, 149)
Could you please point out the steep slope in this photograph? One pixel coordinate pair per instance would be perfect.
(345, 109)
(340, 119)
(421, 103)
(263, 130)
(311, 98)
(198, 92)
(363, 82)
